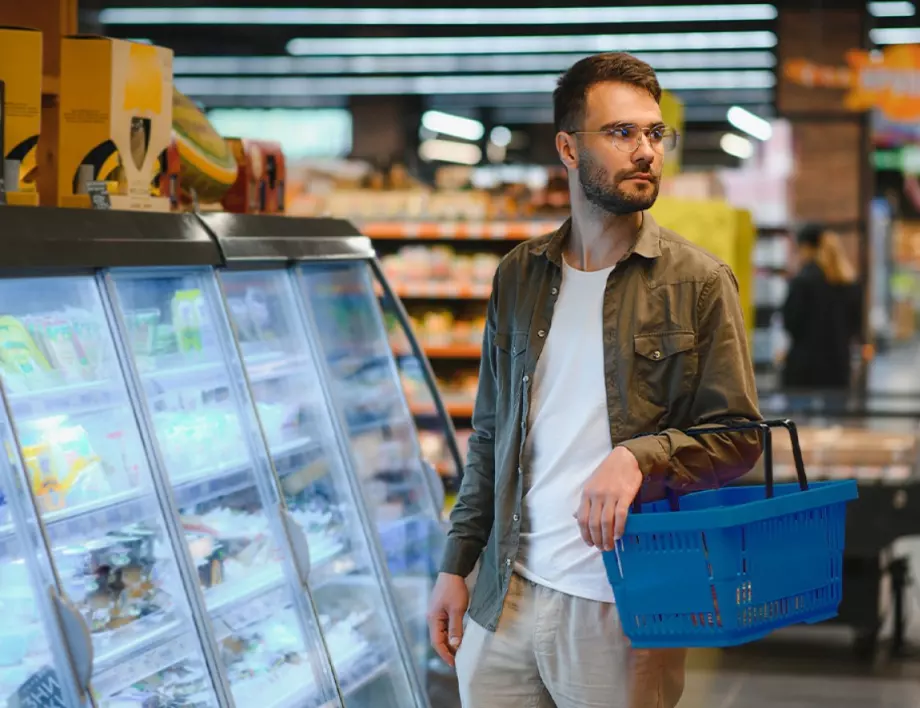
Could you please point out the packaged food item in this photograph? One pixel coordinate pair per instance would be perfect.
(186, 317)
(23, 362)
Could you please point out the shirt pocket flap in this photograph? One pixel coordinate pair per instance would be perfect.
(658, 347)
(513, 343)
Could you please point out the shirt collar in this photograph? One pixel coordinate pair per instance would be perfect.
(647, 245)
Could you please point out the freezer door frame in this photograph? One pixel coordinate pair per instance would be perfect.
(163, 488)
(347, 454)
(23, 515)
(263, 469)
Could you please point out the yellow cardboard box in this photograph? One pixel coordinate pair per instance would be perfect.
(116, 120)
(21, 74)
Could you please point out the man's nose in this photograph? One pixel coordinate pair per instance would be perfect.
(644, 151)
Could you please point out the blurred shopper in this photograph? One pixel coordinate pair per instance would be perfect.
(610, 327)
(822, 314)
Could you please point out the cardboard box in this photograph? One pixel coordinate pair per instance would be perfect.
(116, 120)
(260, 181)
(21, 74)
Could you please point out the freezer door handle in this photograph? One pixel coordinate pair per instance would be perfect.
(78, 638)
(300, 547)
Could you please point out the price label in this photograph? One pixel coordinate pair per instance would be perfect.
(99, 195)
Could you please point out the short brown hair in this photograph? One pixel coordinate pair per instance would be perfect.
(572, 88)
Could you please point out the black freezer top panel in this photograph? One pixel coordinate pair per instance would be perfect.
(248, 239)
(51, 238)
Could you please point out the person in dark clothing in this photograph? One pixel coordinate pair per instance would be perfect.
(822, 314)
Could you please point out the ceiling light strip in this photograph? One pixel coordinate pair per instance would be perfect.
(751, 12)
(589, 44)
(480, 84)
(451, 64)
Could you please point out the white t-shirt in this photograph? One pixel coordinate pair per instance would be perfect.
(568, 437)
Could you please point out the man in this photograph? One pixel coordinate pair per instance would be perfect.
(608, 328)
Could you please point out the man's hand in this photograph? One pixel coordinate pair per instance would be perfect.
(449, 602)
(606, 498)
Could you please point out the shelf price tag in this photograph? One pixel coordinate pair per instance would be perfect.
(99, 195)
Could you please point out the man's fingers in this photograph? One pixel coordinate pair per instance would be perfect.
(595, 525)
(455, 630)
(437, 633)
(622, 513)
(608, 525)
(584, 512)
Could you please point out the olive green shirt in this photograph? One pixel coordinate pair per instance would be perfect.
(675, 356)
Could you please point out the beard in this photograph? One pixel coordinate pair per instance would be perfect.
(604, 191)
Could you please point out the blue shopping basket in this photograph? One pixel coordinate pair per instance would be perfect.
(726, 567)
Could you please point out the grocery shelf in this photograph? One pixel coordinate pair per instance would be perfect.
(140, 649)
(458, 409)
(121, 509)
(443, 290)
(459, 230)
(68, 399)
(448, 351)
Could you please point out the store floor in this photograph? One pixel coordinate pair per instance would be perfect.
(802, 669)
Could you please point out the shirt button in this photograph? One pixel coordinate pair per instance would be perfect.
(656, 355)
(526, 378)
(555, 291)
(508, 562)
(521, 471)
(515, 518)
(541, 333)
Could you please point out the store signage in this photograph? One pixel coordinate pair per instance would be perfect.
(887, 80)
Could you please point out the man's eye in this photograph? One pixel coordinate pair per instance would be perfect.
(622, 132)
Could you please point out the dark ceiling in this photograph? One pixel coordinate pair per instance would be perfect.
(250, 64)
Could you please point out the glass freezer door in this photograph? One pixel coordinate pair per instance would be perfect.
(92, 485)
(30, 673)
(208, 435)
(348, 591)
(365, 383)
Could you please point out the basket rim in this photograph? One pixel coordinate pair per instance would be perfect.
(818, 494)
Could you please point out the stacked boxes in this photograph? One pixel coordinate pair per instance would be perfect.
(116, 121)
(21, 74)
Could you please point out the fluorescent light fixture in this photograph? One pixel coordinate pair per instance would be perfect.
(737, 146)
(449, 151)
(452, 64)
(435, 16)
(891, 9)
(500, 135)
(895, 35)
(466, 84)
(747, 122)
(454, 126)
(659, 41)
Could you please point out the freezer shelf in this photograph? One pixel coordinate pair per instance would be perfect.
(125, 508)
(155, 643)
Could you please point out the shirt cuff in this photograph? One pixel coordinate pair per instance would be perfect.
(652, 453)
(460, 556)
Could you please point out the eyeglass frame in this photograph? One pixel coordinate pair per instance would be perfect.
(643, 132)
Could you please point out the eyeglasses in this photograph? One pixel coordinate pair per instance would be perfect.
(626, 136)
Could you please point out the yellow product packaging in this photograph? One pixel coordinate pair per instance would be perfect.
(206, 162)
(116, 121)
(21, 74)
(24, 363)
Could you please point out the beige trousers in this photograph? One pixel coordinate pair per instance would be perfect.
(553, 650)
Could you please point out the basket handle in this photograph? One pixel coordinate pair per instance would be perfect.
(766, 427)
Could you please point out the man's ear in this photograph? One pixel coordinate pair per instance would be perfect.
(568, 152)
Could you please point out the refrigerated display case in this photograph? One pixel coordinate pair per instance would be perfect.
(174, 476)
(304, 288)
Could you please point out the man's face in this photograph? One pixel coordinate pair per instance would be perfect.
(617, 180)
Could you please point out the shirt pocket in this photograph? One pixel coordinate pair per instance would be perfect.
(510, 348)
(665, 365)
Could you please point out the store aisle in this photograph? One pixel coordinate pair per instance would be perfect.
(794, 674)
